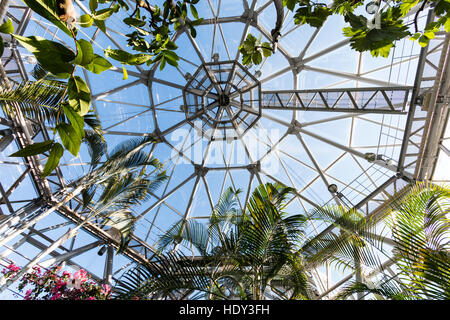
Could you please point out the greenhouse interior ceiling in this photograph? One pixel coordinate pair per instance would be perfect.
(202, 128)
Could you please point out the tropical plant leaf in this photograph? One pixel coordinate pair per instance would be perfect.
(53, 160)
(34, 149)
(52, 55)
(38, 100)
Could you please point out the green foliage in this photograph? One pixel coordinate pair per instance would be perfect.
(125, 57)
(45, 101)
(126, 178)
(76, 121)
(7, 27)
(34, 149)
(244, 254)
(79, 95)
(53, 160)
(98, 64)
(53, 56)
(48, 10)
(85, 55)
(374, 34)
(378, 41)
(314, 15)
(70, 137)
(37, 100)
(420, 227)
(253, 50)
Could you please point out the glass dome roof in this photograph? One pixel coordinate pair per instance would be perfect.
(314, 114)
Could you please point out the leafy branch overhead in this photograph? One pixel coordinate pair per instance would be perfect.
(376, 31)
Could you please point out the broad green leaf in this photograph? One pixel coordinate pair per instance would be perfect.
(93, 4)
(266, 49)
(314, 16)
(193, 31)
(194, 12)
(257, 57)
(126, 57)
(162, 63)
(33, 149)
(246, 59)
(104, 14)
(171, 57)
(447, 24)
(98, 65)
(53, 160)
(171, 45)
(423, 41)
(134, 22)
(100, 24)
(383, 51)
(196, 22)
(52, 55)
(407, 5)
(47, 9)
(415, 36)
(79, 95)
(442, 7)
(70, 138)
(86, 20)
(7, 27)
(290, 4)
(76, 120)
(380, 40)
(85, 54)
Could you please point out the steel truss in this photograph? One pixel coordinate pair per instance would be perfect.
(425, 106)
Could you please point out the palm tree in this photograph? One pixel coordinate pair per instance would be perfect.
(246, 254)
(420, 231)
(126, 178)
(121, 182)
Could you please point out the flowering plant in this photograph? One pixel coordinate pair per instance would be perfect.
(51, 285)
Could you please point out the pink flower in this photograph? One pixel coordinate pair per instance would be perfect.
(90, 298)
(28, 294)
(81, 275)
(37, 270)
(56, 296)
(13, 267)
(66, 273)
(106, 289)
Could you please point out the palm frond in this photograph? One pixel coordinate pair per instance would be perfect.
(387, 289)
(38, 100)
(186, 232)
(167, 275)
(96, 147)
(421, 232)
(354, 238)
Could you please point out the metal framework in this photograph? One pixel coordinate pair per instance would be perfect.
(210, 114)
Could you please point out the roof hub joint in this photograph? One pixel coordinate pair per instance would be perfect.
(251, 17)
(295, 127)
(200, 170)
(254, 167)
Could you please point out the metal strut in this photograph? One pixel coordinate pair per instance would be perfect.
(278, 24)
